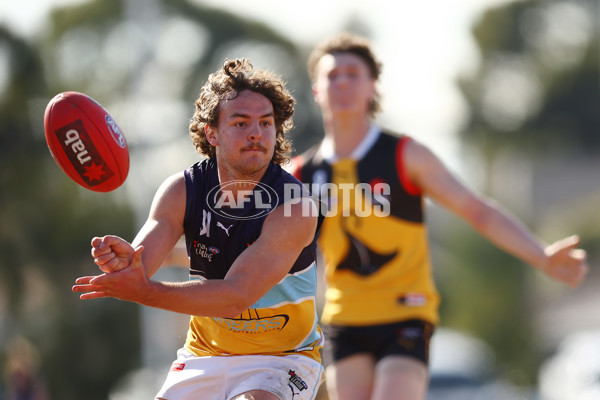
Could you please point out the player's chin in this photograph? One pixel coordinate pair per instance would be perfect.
(255, 161)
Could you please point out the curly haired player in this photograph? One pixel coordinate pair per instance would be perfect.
(253, 330)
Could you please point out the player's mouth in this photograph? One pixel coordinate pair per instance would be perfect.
(253, 148)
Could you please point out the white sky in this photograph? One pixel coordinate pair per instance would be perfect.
(423, 45)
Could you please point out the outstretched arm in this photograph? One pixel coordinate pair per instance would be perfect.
(560, 260)
(159, 234)
(261, 266)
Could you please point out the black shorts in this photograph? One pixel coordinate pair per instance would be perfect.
(407, 338)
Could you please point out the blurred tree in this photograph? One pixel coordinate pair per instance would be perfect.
(534, 97)
(161, 52)
(537, 85)
(46, 223)
(144, 61)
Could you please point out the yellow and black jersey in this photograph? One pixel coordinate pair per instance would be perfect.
(374, 238)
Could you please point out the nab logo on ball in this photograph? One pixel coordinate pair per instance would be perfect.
(86, 142)
(82, 153)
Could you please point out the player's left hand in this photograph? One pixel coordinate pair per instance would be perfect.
(565, 262)
(111, 253)
(127, 284)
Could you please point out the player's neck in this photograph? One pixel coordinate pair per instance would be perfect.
(346, 133)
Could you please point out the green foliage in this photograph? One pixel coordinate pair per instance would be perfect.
(99, 344)
(484, 291)
(96, 13)
(537, 85)
(535, 94)
(47, 221)
(74, 31)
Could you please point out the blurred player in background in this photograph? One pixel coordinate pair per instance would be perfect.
(24, 380)
(381, 303)
(253, 330)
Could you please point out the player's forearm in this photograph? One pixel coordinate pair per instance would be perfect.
(211, 298)
(510, 235)
(158, 243)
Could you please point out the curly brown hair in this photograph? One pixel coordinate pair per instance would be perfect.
(348, 43)
(235, 76)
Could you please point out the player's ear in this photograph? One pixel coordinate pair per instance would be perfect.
(211, 134)
(314, 91)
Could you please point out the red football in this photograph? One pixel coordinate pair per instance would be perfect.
(86, 142)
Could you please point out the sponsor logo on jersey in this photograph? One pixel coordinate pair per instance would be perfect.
(204, 251)
(297, 381)
(363, 260)
(409, 337)
(254, 325)
(413, 299)
(177, 366)
(225, 228)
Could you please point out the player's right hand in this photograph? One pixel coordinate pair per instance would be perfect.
(111, 253)
(566, 263)
(130, 284)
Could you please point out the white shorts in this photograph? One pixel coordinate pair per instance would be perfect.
(293, 377)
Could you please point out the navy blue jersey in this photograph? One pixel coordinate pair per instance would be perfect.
(216, 235)
(217, 230)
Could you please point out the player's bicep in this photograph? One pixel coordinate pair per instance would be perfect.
(290, 228)
(164, 226)
(442, 186)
